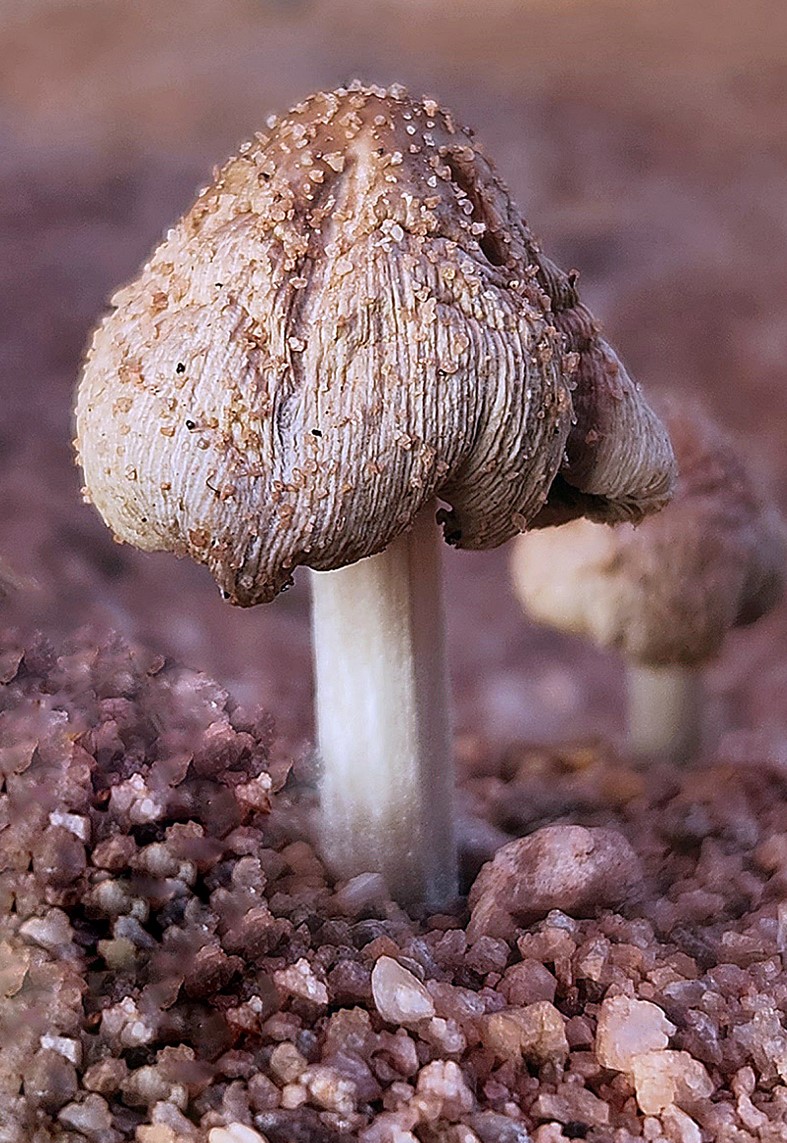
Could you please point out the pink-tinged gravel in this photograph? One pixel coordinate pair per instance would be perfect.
(176, 964)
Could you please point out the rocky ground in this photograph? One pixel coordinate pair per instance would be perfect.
(177, 964)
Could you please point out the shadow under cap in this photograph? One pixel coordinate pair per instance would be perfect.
(352, 320)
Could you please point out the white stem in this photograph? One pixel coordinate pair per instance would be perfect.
(382, 718)
(664, 711)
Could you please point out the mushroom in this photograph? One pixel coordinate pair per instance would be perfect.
(351, 322)
(664, 593)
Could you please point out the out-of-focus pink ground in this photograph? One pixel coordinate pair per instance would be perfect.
(645, 142)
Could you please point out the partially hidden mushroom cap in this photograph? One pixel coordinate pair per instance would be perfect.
(351, 320)
(669, 590)
(618, 465)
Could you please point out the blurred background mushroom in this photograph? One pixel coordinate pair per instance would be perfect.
(351, 321)
(666, 593)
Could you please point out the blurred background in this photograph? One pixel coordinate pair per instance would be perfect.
(645, 142)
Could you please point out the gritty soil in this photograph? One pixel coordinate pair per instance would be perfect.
(176, 961)
(647, 146)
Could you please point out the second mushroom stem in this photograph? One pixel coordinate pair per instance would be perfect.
(664, 711)
(383, 718)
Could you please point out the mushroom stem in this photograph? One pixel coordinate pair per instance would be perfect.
(382, 718)
(664, 711)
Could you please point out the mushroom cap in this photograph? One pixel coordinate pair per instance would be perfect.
(668, 590)
(351, 320)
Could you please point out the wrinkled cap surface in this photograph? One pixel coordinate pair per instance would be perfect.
(669, 590)
(351, 320)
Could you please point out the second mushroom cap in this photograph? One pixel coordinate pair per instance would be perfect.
(669, 591)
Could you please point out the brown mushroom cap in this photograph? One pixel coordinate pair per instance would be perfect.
(669, 590)
(351, 320)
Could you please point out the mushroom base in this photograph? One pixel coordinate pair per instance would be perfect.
(382, 718)
(664, 712)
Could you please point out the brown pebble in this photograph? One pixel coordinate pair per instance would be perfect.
(527, 982)
(572, 1104)
(50, 1081)
(564, 867)
(536, 1033)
